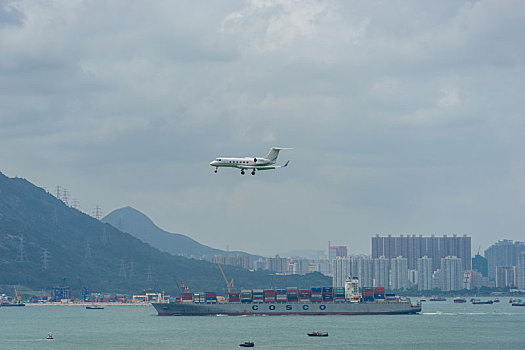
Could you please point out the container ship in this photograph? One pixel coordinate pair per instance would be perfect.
(347, 300)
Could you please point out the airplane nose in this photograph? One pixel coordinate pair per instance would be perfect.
(213, 163)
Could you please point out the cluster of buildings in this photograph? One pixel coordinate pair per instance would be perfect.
(407, 261)
(428, 263)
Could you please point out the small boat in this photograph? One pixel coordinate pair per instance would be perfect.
(479, 302)
(247, 344)
(49, 336)
(438, 299)
(496, 300)
(94, 307)
(518, 302)
(318, 334)
(460, 300)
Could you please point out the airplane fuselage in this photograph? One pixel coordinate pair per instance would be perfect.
(245, 162)
(250, 163)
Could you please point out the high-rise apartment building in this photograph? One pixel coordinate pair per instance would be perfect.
(424, 273)
(503, 253)
(341, 270)
(521, 271)
(414, 247)
(506, 276)
(382, 272)
(480, 264)
(399, 273)
(451, 274)
(277, 264)
(337, 250)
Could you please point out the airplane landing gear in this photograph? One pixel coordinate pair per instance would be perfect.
(242, 172)
(216, 170)
(253, 172)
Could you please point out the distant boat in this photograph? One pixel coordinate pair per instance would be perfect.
(518, 302)
(318, 334)
(496, 300)
(17, 301)
(49, 336)
(438, 299)
(94, 307)
(247, 344)
(460, 300)
(479, 302)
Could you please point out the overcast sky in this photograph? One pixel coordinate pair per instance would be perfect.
(406, 117)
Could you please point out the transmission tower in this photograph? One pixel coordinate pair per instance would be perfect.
(148, 274)
(21, 252)
(75, 204)
(58, 192)
(65, 196)
(122, 272)
(87, 255)
(97, 213)
(45, 259)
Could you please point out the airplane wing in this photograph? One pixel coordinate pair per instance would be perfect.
(264, 167)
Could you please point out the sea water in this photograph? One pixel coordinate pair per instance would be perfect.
(441, 325)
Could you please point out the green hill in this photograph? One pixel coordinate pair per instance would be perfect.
(43, 242)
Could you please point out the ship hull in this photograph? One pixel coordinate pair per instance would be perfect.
(236, 309)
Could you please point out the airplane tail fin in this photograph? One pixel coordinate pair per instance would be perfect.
(274, 153)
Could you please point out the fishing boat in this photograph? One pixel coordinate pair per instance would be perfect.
(484, 302)
(49, 336)
(318, 334)
(247, 344)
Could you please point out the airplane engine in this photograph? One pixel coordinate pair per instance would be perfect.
(255, 160)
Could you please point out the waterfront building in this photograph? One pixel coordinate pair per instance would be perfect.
(521, 271)
(363, 268)
(480, 264)
(503, 253)
(382, 272)
(506, 276)
(341, 271)
(399, 273)
(424, 273)
(414, 247)
(451, 274)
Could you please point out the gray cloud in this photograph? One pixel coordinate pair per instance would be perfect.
(406, 117)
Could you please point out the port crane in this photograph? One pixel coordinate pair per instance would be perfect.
(228, 284)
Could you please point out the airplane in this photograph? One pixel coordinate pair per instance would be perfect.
(253, 163)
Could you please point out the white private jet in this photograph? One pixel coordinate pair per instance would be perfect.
(253, 163)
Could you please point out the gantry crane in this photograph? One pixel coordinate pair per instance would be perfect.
(228, 284)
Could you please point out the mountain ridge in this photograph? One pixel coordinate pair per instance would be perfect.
(139, 225)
